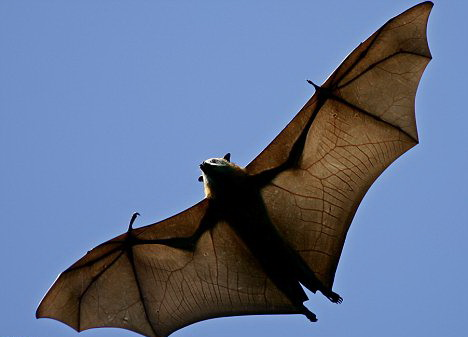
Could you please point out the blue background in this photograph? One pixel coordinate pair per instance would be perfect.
(108, 107)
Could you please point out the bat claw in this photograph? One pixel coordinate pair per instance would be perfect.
(132, 220)
(317, 87)
(334, 297)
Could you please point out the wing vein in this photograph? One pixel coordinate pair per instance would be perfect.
(94, 279)
(373, 65)
(363, 111)
(362, 55)
(131, 259)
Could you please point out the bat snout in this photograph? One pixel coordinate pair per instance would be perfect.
(203, 166)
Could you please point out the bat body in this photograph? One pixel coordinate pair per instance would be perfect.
(265, 229)
(236, 198)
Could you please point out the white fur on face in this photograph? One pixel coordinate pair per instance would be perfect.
(217, 162)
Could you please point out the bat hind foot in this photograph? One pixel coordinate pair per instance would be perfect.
(309, 314)
(333, 297)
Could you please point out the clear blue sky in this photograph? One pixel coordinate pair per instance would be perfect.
(108, 107)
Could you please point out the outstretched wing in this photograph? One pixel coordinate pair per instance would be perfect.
(355, 125)
(154, 289)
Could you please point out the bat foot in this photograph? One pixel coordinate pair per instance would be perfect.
(334, 297)
(309, 314)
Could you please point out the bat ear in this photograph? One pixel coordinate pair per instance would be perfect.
(227, 156)
(200, 179)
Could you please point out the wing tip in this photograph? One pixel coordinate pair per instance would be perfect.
(43, 315)
(38, 314)
(42, 312)
(427, 4)
(423, 7)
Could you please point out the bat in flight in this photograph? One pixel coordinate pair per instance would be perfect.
(263, 230)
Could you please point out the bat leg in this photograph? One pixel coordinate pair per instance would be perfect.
(307, 313)
(317, 285)
(310, 281)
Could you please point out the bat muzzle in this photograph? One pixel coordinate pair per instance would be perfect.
(203, 166)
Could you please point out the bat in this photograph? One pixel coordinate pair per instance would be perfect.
(263, 230)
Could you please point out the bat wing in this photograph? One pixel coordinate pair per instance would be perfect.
(154, 289)
(361, 119)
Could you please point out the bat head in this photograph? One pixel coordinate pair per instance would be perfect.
(219, 175)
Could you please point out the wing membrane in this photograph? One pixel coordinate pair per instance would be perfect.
(154, 289)
(355, 126)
